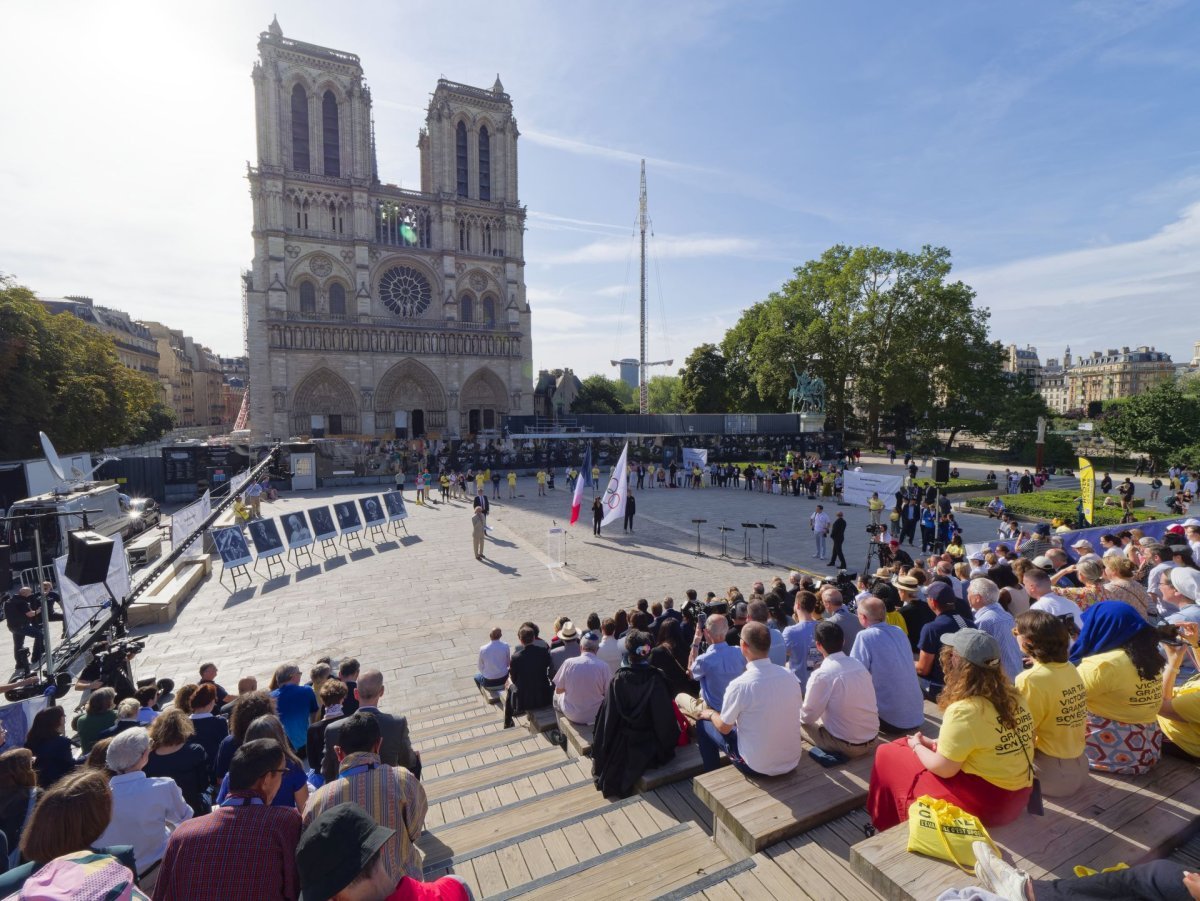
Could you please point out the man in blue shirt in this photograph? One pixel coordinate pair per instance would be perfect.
(940, 597)
(295, 704)
(836, 612)
(714, 669)
(884, 650)
(984, 597)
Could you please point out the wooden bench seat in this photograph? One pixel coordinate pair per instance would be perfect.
(492, 695)
(750, 813)
(541, 720)
(1114, 819)
(684, 765)
(579, 738)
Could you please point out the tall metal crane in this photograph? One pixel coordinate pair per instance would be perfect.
(643, 363)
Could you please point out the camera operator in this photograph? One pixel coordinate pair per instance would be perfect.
(21, 615)
(109, 666)
(899, 555)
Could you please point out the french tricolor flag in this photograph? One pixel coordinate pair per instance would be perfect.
(585, 479)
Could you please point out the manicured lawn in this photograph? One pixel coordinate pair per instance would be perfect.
(1062, 504)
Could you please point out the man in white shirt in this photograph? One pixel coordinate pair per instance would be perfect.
(839, 714)
(1162, 559)
(759, 723)
(1191, 529)
(581, 683)
(819, 523)
(493, 662)
(610, 649)
(1037, 583)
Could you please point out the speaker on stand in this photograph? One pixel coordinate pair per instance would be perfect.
(941, 470)
(88, 557)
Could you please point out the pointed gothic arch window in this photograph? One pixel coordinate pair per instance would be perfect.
(489, 312)
(337, 299)
(485, 164)
(299, 128)
(308, 297)
(466, 311)
(329, 133)
(460, 147)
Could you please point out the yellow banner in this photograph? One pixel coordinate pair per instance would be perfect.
(1087, 488)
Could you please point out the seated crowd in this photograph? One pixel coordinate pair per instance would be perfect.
(1032, 680)
(306, 789)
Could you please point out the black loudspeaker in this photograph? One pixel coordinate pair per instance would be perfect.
(5, 568)
(941, 469)
(88, 556)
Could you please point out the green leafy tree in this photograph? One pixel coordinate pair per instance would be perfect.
(62, 376)
(703, 380)
(1160, 423)
(1014, 420)
(598, 394)
(664, 394)
(881, 328)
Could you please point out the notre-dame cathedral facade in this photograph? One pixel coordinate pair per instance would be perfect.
(371, 309)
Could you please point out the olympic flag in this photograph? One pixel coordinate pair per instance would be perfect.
(617, 491)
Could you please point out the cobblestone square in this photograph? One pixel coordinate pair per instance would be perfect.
(419, 606)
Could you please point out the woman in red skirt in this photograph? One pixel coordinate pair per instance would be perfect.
(982, 760)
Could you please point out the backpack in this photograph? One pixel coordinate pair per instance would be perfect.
(82, 876)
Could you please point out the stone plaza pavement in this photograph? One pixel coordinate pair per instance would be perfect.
(419, 607)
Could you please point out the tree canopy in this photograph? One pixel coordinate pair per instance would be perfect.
(599, 394)
(702, 381)
(62, 376)
(1163, 422)
(890, 334)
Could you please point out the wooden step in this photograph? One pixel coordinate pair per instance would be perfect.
(654, 870)
(481, 833)
(451, 749)
(484, 756)
(1114, 818)
(478, 778)
(428, 733)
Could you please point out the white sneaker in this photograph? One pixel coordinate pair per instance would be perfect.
(997, 876)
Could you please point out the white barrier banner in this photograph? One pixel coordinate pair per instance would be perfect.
(857, 487)
(82, 602)
(695, 456)
(236, 483)
(188, 520)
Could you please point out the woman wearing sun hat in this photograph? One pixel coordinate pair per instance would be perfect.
(982, 760)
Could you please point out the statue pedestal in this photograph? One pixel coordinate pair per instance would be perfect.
(811, 422)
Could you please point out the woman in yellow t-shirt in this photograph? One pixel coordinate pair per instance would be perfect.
(982, 760)
(1054, 694)
(1179, 717)
(1120, 664)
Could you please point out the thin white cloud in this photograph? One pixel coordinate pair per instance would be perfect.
(585, 148)
(551, 222)
(665, 247)
(1161, 265)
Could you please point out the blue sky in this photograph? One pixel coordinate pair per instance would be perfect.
(1053, 147)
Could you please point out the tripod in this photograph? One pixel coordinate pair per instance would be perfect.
(874, 552)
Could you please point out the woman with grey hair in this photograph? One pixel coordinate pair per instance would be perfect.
(145, 809)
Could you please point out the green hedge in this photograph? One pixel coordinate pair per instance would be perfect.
(1047, 505)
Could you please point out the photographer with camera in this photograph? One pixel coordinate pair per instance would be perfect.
(110, 666)
(713, 668)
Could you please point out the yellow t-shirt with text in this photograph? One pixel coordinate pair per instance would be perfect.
(972, 735)
(1115, 691)
(1056, 698)
(1186, 702)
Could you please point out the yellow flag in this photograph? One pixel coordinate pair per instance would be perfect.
(1087, 488)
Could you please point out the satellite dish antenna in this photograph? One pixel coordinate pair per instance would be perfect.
(56, 466)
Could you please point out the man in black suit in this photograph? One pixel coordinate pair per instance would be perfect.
(397, 749)
(838, 533)
(529, 685)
